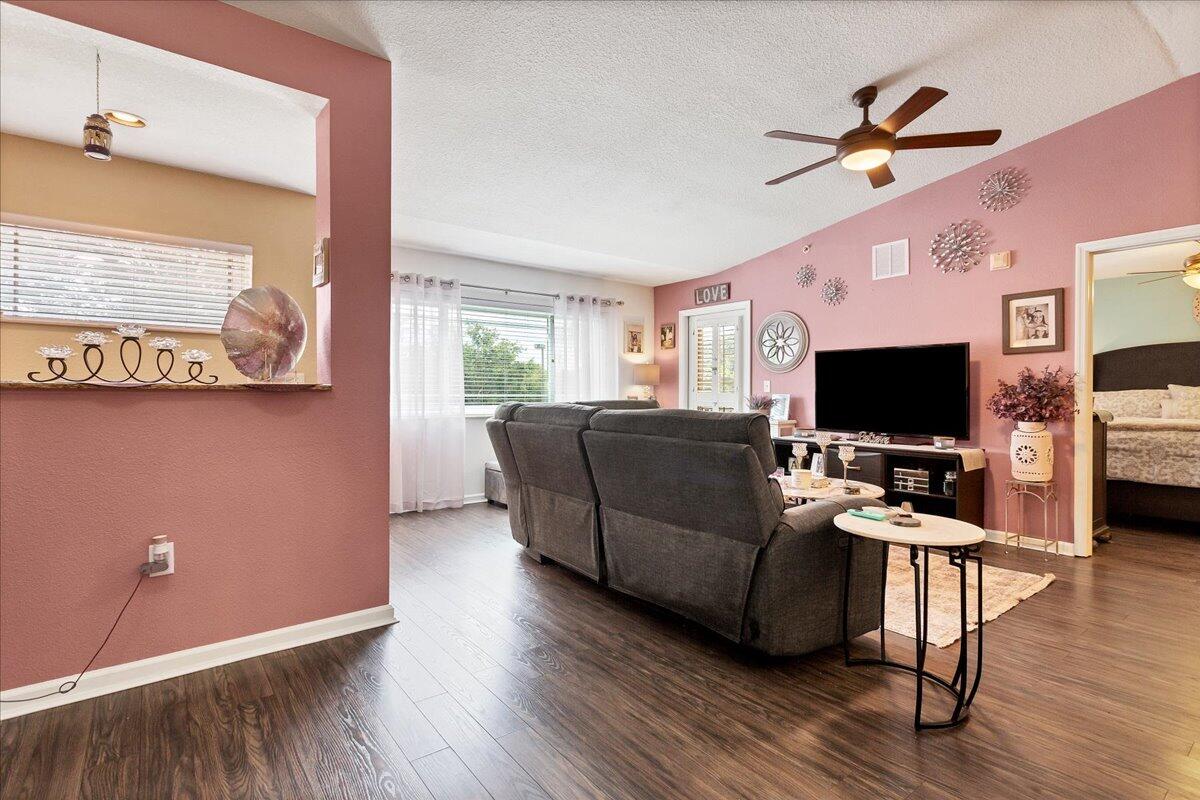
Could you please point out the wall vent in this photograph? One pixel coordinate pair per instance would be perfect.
(889, 260)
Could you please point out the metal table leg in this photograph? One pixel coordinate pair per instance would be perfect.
(958, 685)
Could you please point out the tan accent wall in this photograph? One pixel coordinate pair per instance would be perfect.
(57, 182)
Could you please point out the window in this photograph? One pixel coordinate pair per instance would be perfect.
(49, 275)
(507, 354)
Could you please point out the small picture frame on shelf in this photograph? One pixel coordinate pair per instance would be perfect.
(780, 403)
(1033, 322)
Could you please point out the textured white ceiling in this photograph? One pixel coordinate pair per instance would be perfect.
(201, 117)
(625, 138)
(1142, 259)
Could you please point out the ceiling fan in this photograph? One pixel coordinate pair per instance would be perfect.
(1190, 272)
(868, 147)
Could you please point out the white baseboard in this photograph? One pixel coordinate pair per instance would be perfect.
(474, 498)
(169, 665)
(1032, 543)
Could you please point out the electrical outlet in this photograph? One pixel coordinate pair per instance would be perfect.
(162, 550)
(766, 386)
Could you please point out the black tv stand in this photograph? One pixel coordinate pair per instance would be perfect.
(877, 463)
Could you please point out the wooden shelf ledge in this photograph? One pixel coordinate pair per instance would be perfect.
(168, 387)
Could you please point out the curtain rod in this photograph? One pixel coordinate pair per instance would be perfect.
(554, 295)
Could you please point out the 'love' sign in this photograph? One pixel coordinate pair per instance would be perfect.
(717, 293)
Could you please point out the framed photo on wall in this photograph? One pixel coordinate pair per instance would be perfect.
(635, 337)
(1033, 322)
(666, 336)
(320, 275)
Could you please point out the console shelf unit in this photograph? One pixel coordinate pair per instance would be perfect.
(878, 461)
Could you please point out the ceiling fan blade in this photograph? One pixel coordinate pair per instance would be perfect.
(922, 100)
(1156, 280)
(1158, 272)
(802, 137)
(802, 170)
(960, 139)
(880, 176)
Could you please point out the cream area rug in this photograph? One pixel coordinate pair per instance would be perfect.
(1002, 590)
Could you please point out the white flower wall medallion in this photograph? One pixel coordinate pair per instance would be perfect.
(834, 291)
(782, 341)
(806, 275)
(959, 247)
(1003, 189)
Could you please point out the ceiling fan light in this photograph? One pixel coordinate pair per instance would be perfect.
(1192, 279)
(864, 155)
(126, 118)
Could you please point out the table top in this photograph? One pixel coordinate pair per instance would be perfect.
(834, 489)
(934, 531)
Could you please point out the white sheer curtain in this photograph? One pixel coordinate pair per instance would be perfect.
(586, 344)
(427, 411)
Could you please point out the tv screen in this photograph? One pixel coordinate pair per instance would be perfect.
(906, 391)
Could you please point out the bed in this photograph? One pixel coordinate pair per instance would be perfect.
(1153, 463)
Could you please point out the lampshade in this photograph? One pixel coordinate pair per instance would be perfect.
(645, 374)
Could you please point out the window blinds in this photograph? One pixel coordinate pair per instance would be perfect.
(507, 355)
(57, 275)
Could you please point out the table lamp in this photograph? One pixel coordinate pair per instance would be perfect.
(646, 375)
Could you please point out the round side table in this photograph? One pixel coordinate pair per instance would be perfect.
(960, 540)
(834, 490)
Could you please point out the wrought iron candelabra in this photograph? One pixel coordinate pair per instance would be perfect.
(130, 354)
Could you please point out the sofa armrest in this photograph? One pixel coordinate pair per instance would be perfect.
(795, 603)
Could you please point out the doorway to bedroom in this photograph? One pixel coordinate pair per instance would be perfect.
(1138, 334)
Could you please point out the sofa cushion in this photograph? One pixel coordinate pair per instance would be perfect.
(620, 404)
(566, 415)
(697, 426)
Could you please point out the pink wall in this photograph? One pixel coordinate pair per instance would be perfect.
(1132, 168)
(277, 502)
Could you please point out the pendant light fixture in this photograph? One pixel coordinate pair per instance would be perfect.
(97, 135)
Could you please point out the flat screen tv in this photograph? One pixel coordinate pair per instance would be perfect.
(906, 391)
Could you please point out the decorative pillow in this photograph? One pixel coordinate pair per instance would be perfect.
(1181, 408)
(1132, 402)
(1183, 392)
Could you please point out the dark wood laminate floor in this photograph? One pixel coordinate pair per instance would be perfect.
(509, 679)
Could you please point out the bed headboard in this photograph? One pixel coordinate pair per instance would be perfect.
(1150, 366)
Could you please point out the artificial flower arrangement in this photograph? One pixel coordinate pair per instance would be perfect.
(1031, 402)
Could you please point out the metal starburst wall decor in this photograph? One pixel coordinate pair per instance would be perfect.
(1003, 189)
(834, 291)
(806, 275)
(959, 247)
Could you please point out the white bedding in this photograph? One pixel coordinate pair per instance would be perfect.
(1154, 450)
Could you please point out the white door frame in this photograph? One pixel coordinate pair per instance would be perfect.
(739, 307)
(1085, 252)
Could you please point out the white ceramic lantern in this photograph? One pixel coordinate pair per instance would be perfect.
(1031, 452)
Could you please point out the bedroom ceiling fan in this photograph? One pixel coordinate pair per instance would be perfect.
(1190, 272)
(868, 147)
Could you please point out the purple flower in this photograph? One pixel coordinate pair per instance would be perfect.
(1035, 398)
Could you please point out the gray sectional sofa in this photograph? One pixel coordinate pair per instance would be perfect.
(676, 507)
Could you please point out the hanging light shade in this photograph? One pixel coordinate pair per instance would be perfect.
(97, 138)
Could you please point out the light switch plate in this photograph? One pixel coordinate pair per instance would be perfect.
(1001, 260)
(766, 386)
